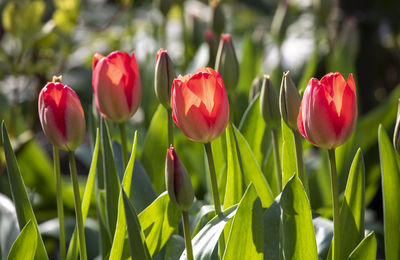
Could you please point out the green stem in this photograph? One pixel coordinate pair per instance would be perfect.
(186, 232)
(300, 160)
(170, 127)
(124, 147)
(215, 193)
(335, 203)
(78, 206)
(278, 169)
(60, 206)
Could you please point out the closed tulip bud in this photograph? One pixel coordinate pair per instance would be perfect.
(218, 17)
(164, 75)
(178, 182)
(255, 88)
(116, 85)
(269, 104)
(396, 134)
(200, 105)
(289, 101)
(212, 42)
(61, 116)
(226, 62)
(328, 111)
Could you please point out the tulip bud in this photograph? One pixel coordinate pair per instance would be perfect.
(218, 18)
(212, 42)
(61, 115)
(116, 85)
(226, 62)
(269, 103)
(164, 75)
(396, 135)
(178, 182)
(289, 101)
(255, 88)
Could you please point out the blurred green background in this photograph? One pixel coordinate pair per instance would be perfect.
(42, 38)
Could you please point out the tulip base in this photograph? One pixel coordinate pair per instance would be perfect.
(60, 206)
(78, 206)
(188, 238)
(335, 203)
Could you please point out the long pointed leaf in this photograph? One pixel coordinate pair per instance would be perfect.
(25, 245)
(119, 236)
(366, 250)
(391, 195)
(22, 204)
(288, 154)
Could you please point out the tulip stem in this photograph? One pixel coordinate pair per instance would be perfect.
(300, 161)
(335, 203)
(124, 147)
(78, 206)
(186, 232)
(215, 194)
(60, 207)
(170, 128)
(278, 169)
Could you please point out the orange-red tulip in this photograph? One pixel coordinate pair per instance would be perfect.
(116, 85)
(200, 105)
(328, 111)
(61, 116)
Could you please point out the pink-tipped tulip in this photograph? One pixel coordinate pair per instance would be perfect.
(116, 85)
(61, 116)
(200, 105)
(328, 111)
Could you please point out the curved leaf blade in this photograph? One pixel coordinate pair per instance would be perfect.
(366, 250)
(25, 245)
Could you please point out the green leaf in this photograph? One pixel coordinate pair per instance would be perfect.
(155, 146)
(175, 247)
(391, 195)
(158, 221)
(143, 193)
(246, 238)
(111, 179)
(252, 127)
(22, 204)
(119, 235)
(353, 207)
(288, 154)
(206, 240)
(252, 171)
(272, 223)
(298, 231)
(25, 245)
(234, 183)
(218, 147)
(366, 250)
(87, 197)
(137, 243)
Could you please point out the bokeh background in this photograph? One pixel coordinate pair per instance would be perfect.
(42, 38)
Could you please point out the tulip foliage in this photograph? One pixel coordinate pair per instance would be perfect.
(252, 188)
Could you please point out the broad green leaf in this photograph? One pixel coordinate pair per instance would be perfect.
(158, 221)
(174, 247)
(246, 238)
(288, 154)
(218, 147)
(87, 197)
(252, 127)
(272, 224)
(298, 231)
(202, 214)
(234, 183)
(104, 235)
(137, 244)
(252, 172)
(119, 236)
(391, 195)
(111, 179)
(155, 147)
(22, 204)
(142, 191)
(25, 245)
(353, 207)
(366, 250)
(206, 240)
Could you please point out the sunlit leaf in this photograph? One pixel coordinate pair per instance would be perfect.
(366, 250)
(288, 154)
(25, 245)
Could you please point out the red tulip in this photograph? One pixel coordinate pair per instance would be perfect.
(328, 111)
(116, 85)
(61, 116)
(200, 105)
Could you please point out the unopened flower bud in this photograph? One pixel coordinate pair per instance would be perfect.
(218, 18)
(255, 88)
(396, 134)
(226, 62)
(269, 103)
(289, 101)
(212, 42)
(178, 182)
(164, 75)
